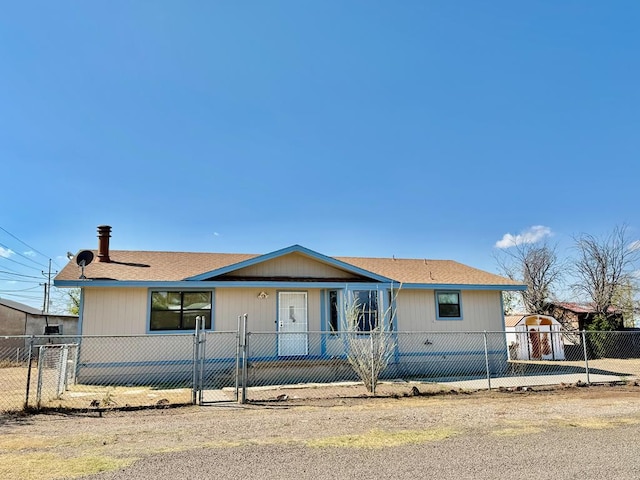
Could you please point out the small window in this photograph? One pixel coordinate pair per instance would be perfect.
(333, 311)
(178, 310)
(448, 305)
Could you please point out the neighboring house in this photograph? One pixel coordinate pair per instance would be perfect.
(578, 316)
(19, 319)
(290, 290)
(534, 337)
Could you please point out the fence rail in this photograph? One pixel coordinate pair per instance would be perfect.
(100, 372)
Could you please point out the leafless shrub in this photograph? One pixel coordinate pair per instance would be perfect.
(369, 351)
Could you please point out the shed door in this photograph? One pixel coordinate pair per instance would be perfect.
(292, 324)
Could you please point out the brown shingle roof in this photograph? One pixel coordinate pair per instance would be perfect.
(427, 271)
(176, 266)
(583, 307)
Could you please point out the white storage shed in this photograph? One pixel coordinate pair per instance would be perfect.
(534, 337)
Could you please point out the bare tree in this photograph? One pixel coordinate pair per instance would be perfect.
(604, 269)
(538, 267)
(369, 352)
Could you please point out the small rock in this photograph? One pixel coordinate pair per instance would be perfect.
(414, 391)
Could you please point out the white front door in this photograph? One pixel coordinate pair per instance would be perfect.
(292, 324)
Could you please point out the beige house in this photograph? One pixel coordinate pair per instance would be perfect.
(290, 290)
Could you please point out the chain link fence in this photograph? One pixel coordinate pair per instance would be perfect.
(101, 372)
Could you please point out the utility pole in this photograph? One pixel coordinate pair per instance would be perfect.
(47, 289)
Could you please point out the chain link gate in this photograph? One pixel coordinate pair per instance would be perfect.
(219, 364)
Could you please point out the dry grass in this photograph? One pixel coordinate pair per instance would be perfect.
(58, 446)
(38, 466)
(14, 379)
(382, 439)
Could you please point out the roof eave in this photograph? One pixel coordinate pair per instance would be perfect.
(278, 284)
(210, 284)
(285, 251)
(459, 286)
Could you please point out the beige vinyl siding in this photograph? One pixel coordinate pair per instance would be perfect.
(445, 341)
(293, 265)
(115, 311)
(110, 353)
(481, 310)
(263, 314)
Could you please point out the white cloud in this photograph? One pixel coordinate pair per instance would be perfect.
(30, 253)
(216, 234)
(634, 245)
(532, 235)
(6, 253)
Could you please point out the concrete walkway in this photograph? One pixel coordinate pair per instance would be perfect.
(528, 381)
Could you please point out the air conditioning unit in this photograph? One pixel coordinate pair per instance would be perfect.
(53, 330)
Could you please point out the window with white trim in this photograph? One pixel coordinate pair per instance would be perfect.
(448, 305)
(178, 310)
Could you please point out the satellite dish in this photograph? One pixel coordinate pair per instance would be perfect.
(84, 258)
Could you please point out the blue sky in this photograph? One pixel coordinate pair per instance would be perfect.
(416, 129)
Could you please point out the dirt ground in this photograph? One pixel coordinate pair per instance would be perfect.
(13, 381)
(57, 445)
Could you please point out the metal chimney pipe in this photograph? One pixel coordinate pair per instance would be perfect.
(104, 233)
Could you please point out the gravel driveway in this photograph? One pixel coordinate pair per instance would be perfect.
(558, 454)
(585, 433)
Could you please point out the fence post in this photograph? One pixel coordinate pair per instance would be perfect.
(373, 382)
(194, 372)
(486, 360)
(244, 358)
(26, 399)
(586, 359)
(202, 346)
(41, 353)
(238, 349)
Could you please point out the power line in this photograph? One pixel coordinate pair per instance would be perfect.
(19, 263)
(19, 274)
(21, 290)
(21, 255)
(22, 295)
(10, 270)
(27, 245)
(17, 280)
